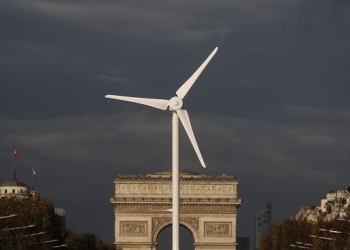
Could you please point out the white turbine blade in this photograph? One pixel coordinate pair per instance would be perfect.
(185, 120)
(155, 103)
(182, 91)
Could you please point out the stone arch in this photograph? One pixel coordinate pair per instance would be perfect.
(167, 223)
(164, 238)
(208, 209)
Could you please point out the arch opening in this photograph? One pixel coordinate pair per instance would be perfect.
(164, 238)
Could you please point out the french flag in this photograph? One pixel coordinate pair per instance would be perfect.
(15, 154)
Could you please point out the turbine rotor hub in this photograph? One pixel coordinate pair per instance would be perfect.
(175, 103)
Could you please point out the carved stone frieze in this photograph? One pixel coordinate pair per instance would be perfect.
(185, 189)
(208, 208)
(218, 229)
(184, 208)
(133, 228)
(156, 221)
(194, 222)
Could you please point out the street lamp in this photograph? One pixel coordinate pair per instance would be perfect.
(342, 219)
(8, 216)
(16, 228)
(64, 245)
(49, 241)
(325, 230)
(337, 239)
(299, 244)
(33, 234)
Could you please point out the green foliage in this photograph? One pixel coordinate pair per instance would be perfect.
(38, 214)
(72, 239)
(86, 241)
(285, 233)
(291, 231)
(15, 233)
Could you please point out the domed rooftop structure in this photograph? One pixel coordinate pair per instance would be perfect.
(13, 182)
(14, 186)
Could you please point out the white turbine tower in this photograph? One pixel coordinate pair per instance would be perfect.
(175, 106)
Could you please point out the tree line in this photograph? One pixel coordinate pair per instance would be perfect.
(30, 223)
(324, 233)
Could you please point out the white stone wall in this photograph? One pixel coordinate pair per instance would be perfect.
(13, 190)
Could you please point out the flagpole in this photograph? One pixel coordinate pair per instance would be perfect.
(33, 173)
(13, 162)
(15, 155)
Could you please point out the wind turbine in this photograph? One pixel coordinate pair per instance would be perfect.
(175, 106)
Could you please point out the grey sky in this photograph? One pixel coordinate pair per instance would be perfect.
(271, 108)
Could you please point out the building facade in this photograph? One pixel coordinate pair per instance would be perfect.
(263, 224)
(208, 208)
(334, 205)
(14, 187)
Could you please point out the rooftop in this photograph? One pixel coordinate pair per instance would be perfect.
(13, 182)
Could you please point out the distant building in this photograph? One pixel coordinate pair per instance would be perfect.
(334, 205)
(60, 218)
(262, 224)
(14, 187)
(242, 243)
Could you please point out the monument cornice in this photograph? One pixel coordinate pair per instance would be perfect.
(194, 190)
(168, 201)
(189, 208)
(184, 176)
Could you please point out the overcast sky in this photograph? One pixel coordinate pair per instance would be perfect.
(271, 108)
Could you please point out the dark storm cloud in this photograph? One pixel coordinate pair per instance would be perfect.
(149, 22)
(321, 16)
(255, 151)
(271, 108)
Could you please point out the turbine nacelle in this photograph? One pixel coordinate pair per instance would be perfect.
(175, 103)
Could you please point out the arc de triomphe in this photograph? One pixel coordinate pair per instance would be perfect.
(208, 208)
